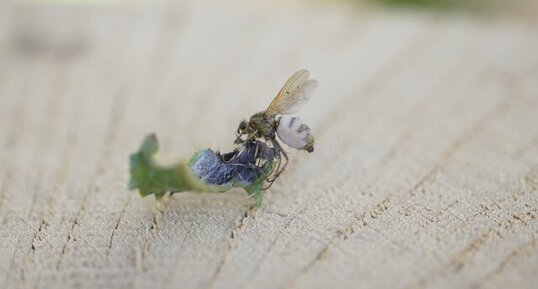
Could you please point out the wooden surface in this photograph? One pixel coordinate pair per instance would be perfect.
(425, 173)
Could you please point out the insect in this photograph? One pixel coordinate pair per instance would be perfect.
(276, 120)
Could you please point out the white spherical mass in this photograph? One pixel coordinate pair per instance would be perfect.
(291, 131)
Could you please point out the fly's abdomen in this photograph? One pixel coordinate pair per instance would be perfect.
(294, 133)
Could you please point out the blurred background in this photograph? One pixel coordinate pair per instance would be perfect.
(146, 45)
(412, 93)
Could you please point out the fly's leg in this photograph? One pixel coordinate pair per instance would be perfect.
(271, 180)
(284, 154)
(239, 139)
(279, 168)
(249, 137)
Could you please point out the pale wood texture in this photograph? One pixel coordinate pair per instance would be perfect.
(425, 173)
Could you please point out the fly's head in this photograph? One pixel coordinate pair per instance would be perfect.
(242, 128)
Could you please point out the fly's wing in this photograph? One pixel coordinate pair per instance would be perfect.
(293, 95)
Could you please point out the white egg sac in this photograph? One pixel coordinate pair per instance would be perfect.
(293, 132)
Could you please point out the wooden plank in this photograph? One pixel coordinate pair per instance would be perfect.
(425, 171)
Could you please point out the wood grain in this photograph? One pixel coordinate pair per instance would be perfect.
(425, 173)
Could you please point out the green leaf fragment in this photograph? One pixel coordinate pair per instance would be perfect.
(152, 179)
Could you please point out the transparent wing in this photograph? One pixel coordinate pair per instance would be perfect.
(293, 95)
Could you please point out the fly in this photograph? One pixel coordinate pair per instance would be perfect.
(276, 120)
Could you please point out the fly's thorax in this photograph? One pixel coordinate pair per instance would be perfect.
(294, 133)
(263, 124)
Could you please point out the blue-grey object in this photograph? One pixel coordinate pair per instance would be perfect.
(241, 166)
(210, 168)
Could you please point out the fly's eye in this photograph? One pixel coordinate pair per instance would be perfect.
(242, 125)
